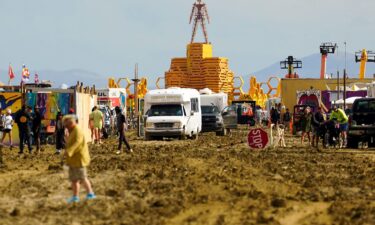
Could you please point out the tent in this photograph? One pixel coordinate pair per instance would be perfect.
(348, 101)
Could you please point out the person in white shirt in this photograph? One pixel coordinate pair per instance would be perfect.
(8, 126)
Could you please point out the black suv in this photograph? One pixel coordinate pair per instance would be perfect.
(220, 122)
(362, 122)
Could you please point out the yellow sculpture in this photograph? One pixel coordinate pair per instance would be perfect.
(141, 89)
(362, 70)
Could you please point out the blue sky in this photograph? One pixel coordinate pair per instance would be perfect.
(108, 36)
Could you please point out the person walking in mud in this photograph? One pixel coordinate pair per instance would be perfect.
(306, 125)
(37, 123)
(23, 119)
(7, 122)
(77, 158)
(317, 123)
(59, 133)
(98, 120)
(122, 128)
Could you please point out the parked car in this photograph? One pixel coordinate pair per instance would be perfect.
(213, 120)
(214, 106)
(108, 125)
(362, 122)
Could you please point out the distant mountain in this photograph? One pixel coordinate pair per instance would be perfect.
(69, 77)
(311, 67)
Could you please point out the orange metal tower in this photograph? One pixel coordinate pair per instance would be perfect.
(290, 64)
(325, 49)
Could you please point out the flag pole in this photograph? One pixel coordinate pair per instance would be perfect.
(10, 80)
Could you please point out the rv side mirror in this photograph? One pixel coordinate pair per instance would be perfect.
(192, 113)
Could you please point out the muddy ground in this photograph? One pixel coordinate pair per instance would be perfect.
(215, 180)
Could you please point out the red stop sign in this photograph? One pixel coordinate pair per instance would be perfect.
(257, 138)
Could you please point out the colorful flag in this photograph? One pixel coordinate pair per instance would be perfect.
(36, 78)
(11, 73)
(25, 74)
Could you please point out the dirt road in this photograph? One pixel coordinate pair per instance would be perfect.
(215, 180)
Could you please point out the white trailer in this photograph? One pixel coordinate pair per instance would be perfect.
(112, 97)
(173, 112)
(220, 100)
(371, 90)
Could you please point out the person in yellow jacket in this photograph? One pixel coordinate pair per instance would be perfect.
(340, 116)
(77, 158)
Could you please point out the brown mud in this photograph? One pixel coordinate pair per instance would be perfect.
(215, 180)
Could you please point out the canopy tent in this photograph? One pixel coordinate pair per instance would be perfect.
(348, 101)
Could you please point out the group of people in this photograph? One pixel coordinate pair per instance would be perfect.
(313, 124)
(277, 116)
(69, 137)
(96, 123)
(29, 125)
(316, 123)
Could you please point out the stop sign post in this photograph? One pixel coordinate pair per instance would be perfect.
(257, 139)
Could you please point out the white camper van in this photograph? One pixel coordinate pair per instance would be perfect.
(173, 112)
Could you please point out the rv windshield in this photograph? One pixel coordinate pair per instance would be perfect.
(209, 109)
(166, 110)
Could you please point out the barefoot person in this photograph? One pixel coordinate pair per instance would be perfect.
(77, 158)
(8, 126)
(121, 127)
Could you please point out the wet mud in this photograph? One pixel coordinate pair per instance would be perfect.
(213, 180)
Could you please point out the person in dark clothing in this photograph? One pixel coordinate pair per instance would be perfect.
(275, 116)
(286, 119)
(37, 123)
(317, 123)
(23, 119)
(306, 124)
(60, 133)
(121, 127)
